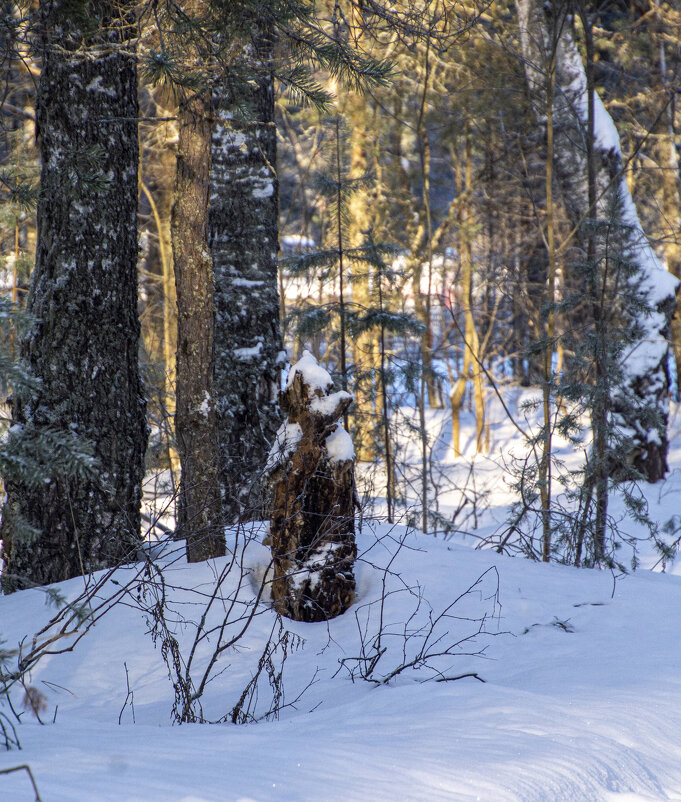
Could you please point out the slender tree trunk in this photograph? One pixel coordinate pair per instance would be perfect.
(423, 303)
(169, 330)
(456, 400)
(546, 460)
(385, 415)
(199, 508)
(471, 329)
(364, 345)
(472, 353)
(83, 341)
(243, 238)
(341, 268)
(600, 413)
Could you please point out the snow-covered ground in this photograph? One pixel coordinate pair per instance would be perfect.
(574, 690)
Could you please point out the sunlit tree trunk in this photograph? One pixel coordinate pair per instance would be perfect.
(364, 345)
(472, 354)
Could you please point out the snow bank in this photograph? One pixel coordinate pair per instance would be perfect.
(581, 700)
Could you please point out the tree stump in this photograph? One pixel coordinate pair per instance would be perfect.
(311, 467)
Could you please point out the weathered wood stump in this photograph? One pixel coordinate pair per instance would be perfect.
(311, 467)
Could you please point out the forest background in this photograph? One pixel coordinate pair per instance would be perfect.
(437, 209)
(432, 250)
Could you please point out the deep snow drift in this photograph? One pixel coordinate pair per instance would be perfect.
(580, 698)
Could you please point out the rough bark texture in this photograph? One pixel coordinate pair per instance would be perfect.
(83, 342)
(643, 423)
(199, 509)
(312, 528)
(243, 239)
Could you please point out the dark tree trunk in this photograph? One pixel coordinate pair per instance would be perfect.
(199, 513)
(82, 344)
(243, 238)
(312, 529)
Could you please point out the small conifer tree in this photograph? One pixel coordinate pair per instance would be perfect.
(593, 388)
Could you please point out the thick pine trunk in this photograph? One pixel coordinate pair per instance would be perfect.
(640, 407)
(243, 239)
(199, 509)
(312, 529)
(83, 341)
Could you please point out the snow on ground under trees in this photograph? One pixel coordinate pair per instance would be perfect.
(580, 697)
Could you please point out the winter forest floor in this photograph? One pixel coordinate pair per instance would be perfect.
(580, 697)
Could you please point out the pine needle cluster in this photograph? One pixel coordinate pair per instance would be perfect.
(202, 42)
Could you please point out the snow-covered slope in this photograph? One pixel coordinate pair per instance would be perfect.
(581, 698)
